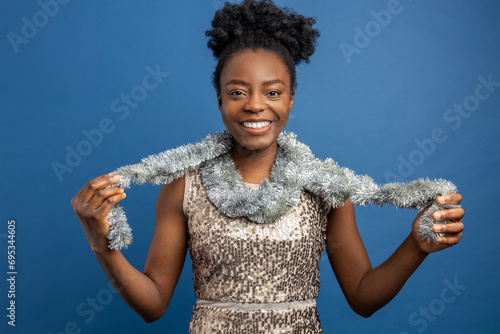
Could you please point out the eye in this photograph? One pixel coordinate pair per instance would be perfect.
(236, 93)
(274, 93)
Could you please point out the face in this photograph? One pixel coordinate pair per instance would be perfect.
(255, 99)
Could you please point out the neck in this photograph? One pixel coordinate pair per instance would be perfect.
(254, 166)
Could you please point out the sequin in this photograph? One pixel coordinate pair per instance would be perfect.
(236, 260)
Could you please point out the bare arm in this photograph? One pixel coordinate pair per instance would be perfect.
(368, 289)
(147, 293)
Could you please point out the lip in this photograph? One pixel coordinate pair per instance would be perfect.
(255, 120)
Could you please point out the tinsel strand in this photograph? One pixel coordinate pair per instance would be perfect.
(295, 169)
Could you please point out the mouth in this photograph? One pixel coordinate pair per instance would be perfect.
(256, 125)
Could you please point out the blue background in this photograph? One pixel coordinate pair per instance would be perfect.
(366, 110)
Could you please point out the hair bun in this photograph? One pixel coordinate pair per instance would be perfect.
(255, 19)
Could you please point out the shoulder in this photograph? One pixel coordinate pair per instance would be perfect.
(343, 214)
(174, 188)
(171, 196)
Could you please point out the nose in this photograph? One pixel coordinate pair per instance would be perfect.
(255, 103)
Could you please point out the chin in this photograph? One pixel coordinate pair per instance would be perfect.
(257, 143)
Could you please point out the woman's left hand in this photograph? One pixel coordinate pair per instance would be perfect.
(454, 230)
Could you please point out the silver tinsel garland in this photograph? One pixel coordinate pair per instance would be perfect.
(295, 169)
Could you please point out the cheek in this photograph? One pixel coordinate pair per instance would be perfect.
(224, 119)
(227, 118)
(285, 113)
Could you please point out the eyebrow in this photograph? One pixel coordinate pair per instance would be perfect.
(244, 83)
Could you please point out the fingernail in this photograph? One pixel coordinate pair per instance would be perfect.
(438, 215)
(439, 239)
(116, 177)
(442, 199)
(438, 228)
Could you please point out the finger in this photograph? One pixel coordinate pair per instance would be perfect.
(449, 199)
(102, 195)
(449, 240)
(75, 200)
(82, 189)
(449, 228)
(103, 210)
(98, 183)
(455, 213)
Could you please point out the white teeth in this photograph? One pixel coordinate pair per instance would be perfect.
(256, 125)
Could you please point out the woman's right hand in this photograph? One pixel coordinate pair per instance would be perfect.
(92, 205)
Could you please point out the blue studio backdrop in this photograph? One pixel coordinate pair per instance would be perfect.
(397, 89)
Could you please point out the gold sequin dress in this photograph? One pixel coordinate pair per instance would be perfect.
(254, 278)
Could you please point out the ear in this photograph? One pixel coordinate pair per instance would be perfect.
(292, 96)
(219, 101)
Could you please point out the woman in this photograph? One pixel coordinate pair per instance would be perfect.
(253, 277)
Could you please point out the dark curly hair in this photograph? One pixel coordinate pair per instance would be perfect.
(255, 25)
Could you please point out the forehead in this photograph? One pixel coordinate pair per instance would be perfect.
(258, 65)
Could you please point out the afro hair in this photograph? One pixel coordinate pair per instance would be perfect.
(254, 25)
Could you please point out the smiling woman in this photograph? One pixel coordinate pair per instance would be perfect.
(255, 101)
(253, 205)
